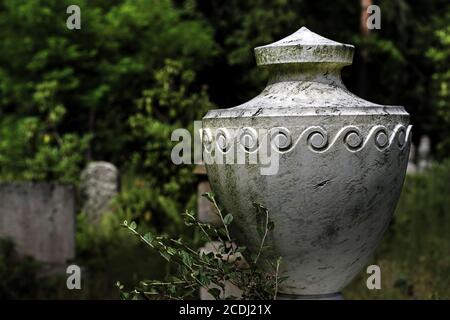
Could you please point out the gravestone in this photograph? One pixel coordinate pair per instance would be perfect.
(99, 185)
(423, 153)
(412, 167)
(40, 219)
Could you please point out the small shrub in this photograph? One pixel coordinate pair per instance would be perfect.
(257, 279)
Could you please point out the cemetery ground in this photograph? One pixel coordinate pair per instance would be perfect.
(413, 255)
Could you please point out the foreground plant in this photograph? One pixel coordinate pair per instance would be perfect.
(195, 269)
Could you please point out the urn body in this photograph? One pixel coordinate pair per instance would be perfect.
(328, 165)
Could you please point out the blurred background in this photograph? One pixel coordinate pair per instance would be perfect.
(86, 117)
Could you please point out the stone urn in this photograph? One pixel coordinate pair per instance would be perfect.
(336, 170)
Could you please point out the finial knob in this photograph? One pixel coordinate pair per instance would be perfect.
(304, 46)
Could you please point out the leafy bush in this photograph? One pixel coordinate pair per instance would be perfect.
(210, 270)
(66, 96)
(139, 202)
(105, 253)
(101, 68)
(31, 148)
(163, 189)
(440, 55)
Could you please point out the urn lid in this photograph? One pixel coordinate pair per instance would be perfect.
(304, 46)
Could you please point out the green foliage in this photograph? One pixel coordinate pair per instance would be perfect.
(171, 104)
(423, 216)
(440, 55)
(107, 253)
(139, 202)
(19, 276)
(31, 148)
(197, 269)
(100, 69)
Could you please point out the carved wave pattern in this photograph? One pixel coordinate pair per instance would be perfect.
(316, 138)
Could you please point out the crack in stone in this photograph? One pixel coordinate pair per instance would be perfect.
(257, 112)
(322, 184)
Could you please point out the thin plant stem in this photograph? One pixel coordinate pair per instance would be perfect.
(263, 240)
(276, 278)
(213, 200)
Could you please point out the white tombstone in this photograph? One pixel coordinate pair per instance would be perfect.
(424, 153)
(412, 167)
(99, 185)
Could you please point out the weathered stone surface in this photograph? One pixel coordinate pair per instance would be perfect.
(40, 218)
(99, 185)
(304, 46)
(342, 163)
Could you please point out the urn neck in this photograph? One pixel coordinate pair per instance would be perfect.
(325, 73)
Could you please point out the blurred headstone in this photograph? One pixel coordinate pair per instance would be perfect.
(99, 185)
(412, 167)
(40, 219)
(423, 153)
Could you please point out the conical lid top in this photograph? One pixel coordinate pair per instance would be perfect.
(304, 46)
